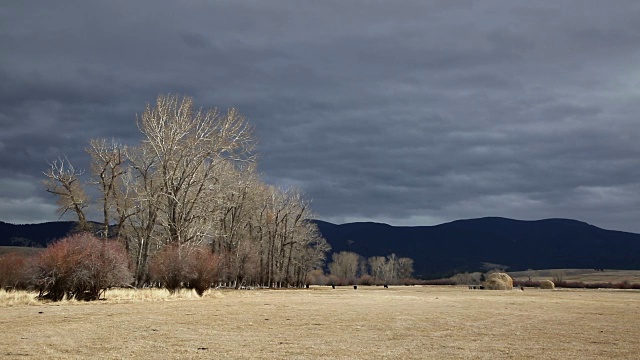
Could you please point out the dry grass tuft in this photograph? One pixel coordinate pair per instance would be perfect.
(17, 298)
(155, 294)
(499, 281)
(547, 284)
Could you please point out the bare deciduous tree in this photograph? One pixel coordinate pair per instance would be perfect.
(107, 160)
(345, 265)
(377, 266)
(63, 180)
(405, 268)
(188, 145)
(391, 268)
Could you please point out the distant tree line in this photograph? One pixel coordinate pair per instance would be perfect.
(349, 268)
(186, 204)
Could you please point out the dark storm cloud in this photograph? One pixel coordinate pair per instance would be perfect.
(408, 113)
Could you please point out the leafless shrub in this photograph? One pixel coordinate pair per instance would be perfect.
(558, 275)
(175, 267)
(168, 266)
(334, 280)
(466, 278)
(366, 280)
(12, 271)
(317, 277)
(204, 269)
(80, 266)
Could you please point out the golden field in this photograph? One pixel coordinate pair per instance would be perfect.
(368, 323)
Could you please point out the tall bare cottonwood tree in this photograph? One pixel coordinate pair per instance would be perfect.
(345, 265)
(188, 145)
(63, 180)
(107, 166)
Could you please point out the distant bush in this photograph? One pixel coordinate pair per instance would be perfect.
(333, 280)
(410, 281)
(466, 278)
(338, 281)
(581, 285)
(526, 283)
(625, 285)
(170, 266)
(204, 269)
(176, 267)
(366, 280)
(13, 268)
(317, 277)
(80, 266)
(558, 275)
(438, 282)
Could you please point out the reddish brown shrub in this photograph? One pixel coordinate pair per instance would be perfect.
(13, 268)
(526, 283)
(604, 285)
(334, 280)
(104, 265)
(204, 269)
(176, 267)
(409, 282)
(317, 277)
(80, 266)
(170, 266)
(366, 280)
(439, 282)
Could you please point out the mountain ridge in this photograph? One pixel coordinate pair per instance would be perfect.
(463, 245)
(443, 249)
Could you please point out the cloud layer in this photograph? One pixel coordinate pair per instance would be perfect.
(411, 113)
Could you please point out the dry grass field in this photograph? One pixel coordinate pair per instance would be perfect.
(368, 323)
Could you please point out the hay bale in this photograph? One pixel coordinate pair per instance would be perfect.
(495, 284)
(499, 281)
(547, 284)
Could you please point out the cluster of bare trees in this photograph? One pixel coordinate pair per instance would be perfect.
(191, 183)
(349, 268)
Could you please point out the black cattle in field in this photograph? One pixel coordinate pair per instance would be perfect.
(355, 287)
(386, 286)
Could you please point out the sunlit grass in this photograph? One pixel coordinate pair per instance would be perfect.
(17, 298)
(117, 295)
(155, 294)
(412, 322)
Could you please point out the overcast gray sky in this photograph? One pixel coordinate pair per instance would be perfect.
(404, 112)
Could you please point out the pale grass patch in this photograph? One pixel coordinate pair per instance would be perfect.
(22, 297)
(155, 294)
(17, 298)
(118, 295)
